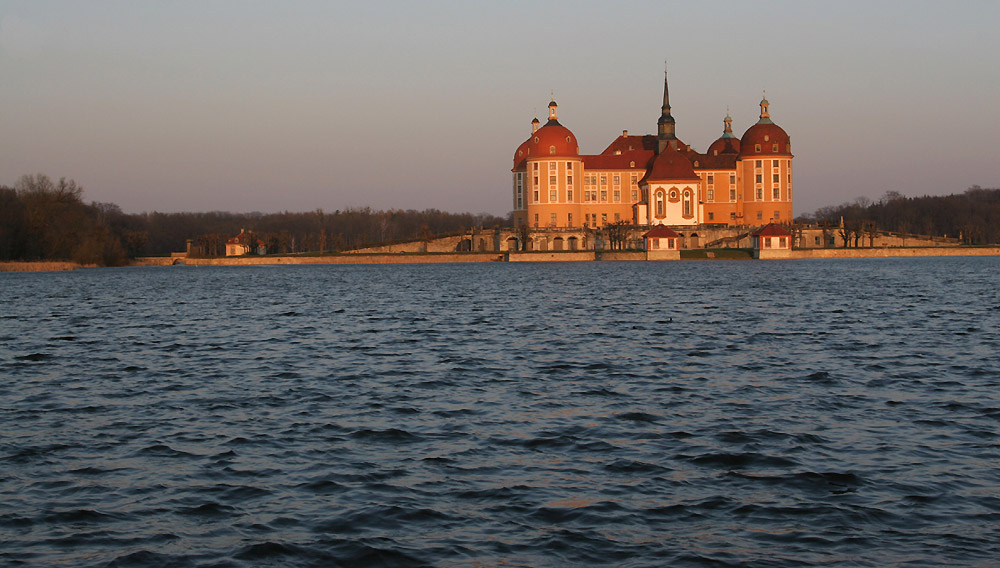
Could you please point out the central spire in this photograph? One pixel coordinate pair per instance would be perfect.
(666, 128)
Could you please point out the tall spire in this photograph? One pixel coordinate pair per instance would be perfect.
(666, 128)
(666, 94)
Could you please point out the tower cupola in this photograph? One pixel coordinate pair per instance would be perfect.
(765, 115)
(553, 115)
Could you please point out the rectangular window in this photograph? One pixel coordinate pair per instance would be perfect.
(732, 216)
(569, 180)
(569, 166)
(536, 181)
(569, 219)
(536, 220)
(711, 216)
(711, 179)
(760, 215)
(732, 179)
(760, 194)
(777, 178)
(732, 195)
(635, 180)
(569, 195)
(552, 180)
(760, 178)
(604, 218)
(535, 166)
(604, 196)
(759, 162)
(711, 194)
(535, 200)
(635, 196)
(604, 180)
(617, 196)
(552, 220)
(774, 148)
(586, 219)
(553, 167)
(617, 181)
(777, 194)
(553, 196)
(777, 214)
(520, 202)
(757, 149)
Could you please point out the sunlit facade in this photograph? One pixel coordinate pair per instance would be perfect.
(653, 179)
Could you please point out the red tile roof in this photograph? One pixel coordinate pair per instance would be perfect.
(660, 232)
(671, 165)
(772, 230)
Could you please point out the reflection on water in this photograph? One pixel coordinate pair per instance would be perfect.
(835, 413)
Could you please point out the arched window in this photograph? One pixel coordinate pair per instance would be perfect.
(687, 204)
(659, 205)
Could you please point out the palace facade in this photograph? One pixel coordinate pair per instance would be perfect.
(653, 179)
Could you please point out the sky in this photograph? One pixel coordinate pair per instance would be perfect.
(292, 106)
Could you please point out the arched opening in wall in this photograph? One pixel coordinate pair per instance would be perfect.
(512, 244)
(543, 244)
(464, 245)
(557, 243)
(482, 244)
(573, 243)
(695, 242)
(682, 241)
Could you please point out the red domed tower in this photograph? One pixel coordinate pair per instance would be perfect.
(547, 176)
(728, 143)
(765, 171)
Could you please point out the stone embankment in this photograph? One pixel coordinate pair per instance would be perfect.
(553, 256)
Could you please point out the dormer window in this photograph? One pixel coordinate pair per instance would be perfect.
(756, 148)
(552, 149)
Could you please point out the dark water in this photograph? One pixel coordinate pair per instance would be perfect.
(825, 413)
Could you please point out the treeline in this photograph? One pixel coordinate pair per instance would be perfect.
(41, 219)
(45, 220)
(973, 216)
(314, 231)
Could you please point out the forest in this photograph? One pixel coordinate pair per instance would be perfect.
(972, 216)
(43, 219)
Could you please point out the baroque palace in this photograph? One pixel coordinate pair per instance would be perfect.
(653, 179)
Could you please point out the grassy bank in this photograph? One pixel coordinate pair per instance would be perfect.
(37, 266)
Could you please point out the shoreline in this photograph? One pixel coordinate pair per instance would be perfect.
(532, 256)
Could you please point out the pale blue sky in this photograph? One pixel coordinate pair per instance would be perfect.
(269, 106)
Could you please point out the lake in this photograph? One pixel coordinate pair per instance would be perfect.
(780, 413)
